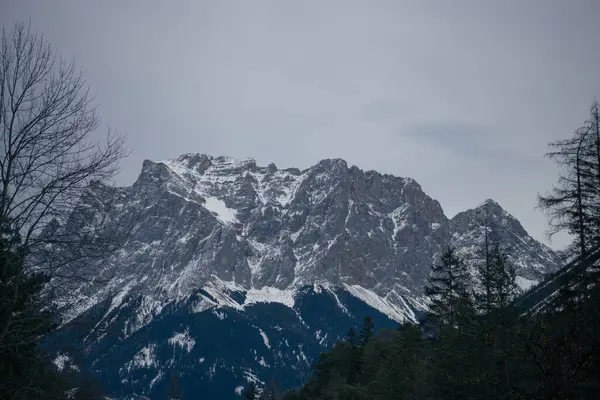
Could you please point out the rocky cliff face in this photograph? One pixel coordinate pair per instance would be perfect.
(531, 259)
(197, 224)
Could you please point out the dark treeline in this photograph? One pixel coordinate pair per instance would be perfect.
(477, 342)
(466, 355)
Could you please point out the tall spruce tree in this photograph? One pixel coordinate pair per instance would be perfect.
(503, 272)
(366, 331)
(496, 275)
(354, 361)
(447, 289)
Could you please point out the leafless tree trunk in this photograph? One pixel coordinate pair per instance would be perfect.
(50, 155)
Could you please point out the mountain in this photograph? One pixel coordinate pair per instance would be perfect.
(531, 259)
(215, 255)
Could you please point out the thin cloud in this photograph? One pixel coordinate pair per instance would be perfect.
(448, 93)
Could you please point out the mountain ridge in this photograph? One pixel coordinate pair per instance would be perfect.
(224, 241)
(262, 226)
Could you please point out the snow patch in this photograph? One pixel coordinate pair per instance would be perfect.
(201, 305)
(144, 358)
(317, 287)
(379, 303)
(263, 362)
(251, 377)
(265, 338)
(156, 379)
(217, 206)
(61, 361)
(524, 283)
(320, 338)
(270, 295)
(183, 340)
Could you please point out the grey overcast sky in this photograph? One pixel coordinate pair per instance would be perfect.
(462, 96)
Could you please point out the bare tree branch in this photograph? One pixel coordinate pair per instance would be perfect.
(51, 153)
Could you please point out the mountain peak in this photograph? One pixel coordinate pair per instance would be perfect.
(490, 202)
(339, 162)
(207, 238)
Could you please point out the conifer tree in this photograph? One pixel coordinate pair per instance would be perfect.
(354, 356)
(504, 286)
(351, 338)
(447, 288)
(366, 331)
(24, 371)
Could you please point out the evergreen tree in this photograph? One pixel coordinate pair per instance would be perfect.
(354, 356)
(351, 338)
(366, 331)
(25, 373)
(447, 288)
(504, 286)
(546, 353)
(497, 285)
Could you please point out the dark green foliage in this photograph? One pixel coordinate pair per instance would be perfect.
(497, 287)
(351, 338)
(550, 356)
(366, 331)
(503, 354)
(447, 288)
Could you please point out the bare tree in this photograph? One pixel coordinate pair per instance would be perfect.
(566, 204)
(574, 204)
(50, 157)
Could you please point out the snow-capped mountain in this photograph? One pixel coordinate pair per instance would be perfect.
(209, 239)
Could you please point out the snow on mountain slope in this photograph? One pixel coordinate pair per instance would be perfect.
(197, 219)
(216, 350)
(212, 247)
(532, 260)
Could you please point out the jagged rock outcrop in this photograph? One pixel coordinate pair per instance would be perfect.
(198, 235)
